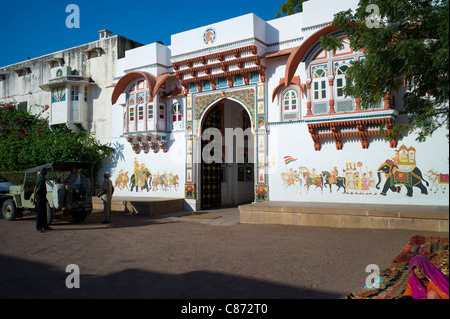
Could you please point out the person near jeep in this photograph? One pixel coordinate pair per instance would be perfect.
(40, 200)
(106, 195)
(72, 183)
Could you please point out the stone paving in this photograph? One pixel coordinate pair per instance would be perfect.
(173, 257)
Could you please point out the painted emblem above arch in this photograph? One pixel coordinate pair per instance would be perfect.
(209, 36)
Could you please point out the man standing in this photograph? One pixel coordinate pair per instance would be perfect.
(72, 183)
(106, 195)
(40, 200)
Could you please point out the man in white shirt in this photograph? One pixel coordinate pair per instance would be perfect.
(106, 195)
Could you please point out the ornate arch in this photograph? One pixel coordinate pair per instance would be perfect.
(297, 55)
(128, 78)
(244, 97)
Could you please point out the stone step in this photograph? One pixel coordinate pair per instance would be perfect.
(146, 206)
(340, 215)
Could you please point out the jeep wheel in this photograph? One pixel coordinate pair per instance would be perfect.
(49, 214)
(9, 210)
(79, 215)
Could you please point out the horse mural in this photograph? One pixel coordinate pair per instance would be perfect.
(333, 179)
(292, 179)
(311, 178)
(165, 182)
(395, 177)
(439, 182)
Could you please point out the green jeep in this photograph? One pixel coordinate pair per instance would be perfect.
(20, 197)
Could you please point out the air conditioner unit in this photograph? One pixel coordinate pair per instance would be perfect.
(61, 71)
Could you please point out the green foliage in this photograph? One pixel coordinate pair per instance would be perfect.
(291, 7)
(406, 42)
(28, 141)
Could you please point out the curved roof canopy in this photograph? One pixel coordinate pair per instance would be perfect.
(128, 78)
(298, 54)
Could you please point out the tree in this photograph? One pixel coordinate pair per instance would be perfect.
(28, 141)
(406, 47)
(291, 7)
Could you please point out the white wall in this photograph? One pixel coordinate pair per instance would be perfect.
(321, 11)
(228, 31)
(432, 154)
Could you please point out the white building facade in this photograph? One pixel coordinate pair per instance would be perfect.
(239, 111)
(71, 83)
(303, 139)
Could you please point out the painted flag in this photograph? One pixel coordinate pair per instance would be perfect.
(288, 159)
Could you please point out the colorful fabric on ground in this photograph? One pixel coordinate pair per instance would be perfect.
(396, 275)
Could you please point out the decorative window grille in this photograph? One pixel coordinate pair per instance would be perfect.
(254, 77)
(238, 79)
(222, 82)
(132, 114)
(319, 108)
(192, 87)
(206, 85)
(347, 105)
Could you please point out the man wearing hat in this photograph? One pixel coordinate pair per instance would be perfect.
(106, 195)
(40, 200)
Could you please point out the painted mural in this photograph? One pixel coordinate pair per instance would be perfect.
(142, 179)
(438, 181)
(357, 178)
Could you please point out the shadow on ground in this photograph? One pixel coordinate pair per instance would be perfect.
(21, 278)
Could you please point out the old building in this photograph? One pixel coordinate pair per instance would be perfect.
(72, 82)
(306, 140)
(239, 111)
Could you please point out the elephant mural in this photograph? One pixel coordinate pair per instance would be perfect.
(396, 177)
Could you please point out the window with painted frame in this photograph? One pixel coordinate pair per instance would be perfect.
(340, 81)
(176, 112)
(290, 104)
(319, 84)
(162, 112)
(150, 111)
(140, 112)
(74, 92)
(132, 113)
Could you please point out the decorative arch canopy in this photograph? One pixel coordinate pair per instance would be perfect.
(295, 80)
(298, 54)
(128, 78)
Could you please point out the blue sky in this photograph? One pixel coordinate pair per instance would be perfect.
(35, 28)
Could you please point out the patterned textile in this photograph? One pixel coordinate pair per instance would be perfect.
(443, 178)
(400, 177)
(394, 277)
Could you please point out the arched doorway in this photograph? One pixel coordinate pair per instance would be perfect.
(230, 181)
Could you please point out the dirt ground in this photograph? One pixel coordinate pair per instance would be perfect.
(141, 257)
